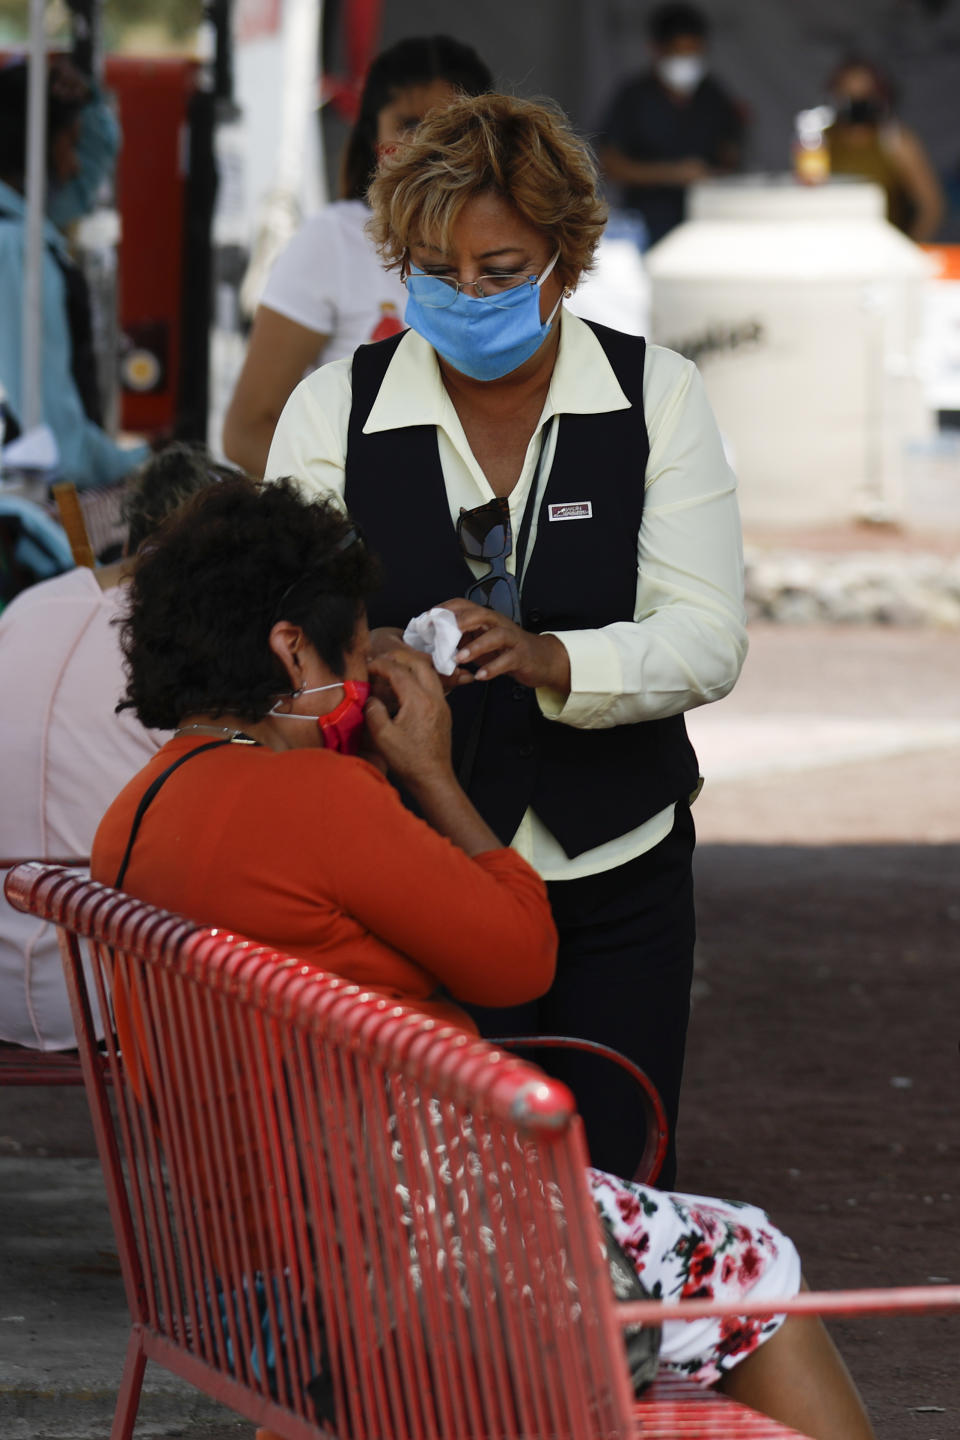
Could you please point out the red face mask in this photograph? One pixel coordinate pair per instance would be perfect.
(341, 727)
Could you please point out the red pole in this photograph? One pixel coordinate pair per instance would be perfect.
(917, 1300)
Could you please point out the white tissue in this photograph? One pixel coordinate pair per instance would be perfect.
(437, 634)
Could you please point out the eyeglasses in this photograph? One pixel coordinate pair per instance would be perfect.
(438, 292)
(485, 534)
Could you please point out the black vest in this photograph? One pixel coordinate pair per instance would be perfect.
(587, 786)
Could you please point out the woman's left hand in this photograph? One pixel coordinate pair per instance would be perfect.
(499, 647)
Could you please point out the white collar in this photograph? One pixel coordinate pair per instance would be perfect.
(413, 392)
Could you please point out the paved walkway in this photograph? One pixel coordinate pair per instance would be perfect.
(835, 736)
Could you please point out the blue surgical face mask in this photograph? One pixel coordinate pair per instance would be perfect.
(483, 338)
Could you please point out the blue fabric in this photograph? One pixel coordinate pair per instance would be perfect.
(87, 454)
(481, 338)
(256, 1312)
(96, 149)
(42, 545)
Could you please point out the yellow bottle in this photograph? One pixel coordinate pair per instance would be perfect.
(811, 152)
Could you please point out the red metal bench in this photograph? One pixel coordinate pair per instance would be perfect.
(404, 1204)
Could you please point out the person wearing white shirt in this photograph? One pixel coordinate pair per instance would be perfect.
(598, 577)
(328, 292)
(66, 751)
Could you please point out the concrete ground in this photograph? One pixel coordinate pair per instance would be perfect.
(832, 737)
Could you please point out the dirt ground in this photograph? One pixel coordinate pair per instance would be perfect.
(822, 1082)
(823, 1073)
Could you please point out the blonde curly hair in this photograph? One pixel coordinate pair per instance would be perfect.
(523, 150)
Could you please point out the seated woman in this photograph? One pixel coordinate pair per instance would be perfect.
(247, 634)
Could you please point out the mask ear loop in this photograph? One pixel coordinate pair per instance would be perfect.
(564, 294)
(549, 269)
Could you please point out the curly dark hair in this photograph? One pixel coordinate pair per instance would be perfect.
(214, 580)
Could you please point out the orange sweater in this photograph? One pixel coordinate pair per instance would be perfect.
(313, 853)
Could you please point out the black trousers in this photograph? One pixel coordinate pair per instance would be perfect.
(624, 970)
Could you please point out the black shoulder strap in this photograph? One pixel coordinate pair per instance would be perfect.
(150, 794)
(530, 506)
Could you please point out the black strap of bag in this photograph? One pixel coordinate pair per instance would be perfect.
(148, 797)
(641, 1342)
(468, 759)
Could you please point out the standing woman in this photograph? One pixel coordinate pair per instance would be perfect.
(563, 489)
(328, 291)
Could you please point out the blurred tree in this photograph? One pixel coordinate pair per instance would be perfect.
(177, 18)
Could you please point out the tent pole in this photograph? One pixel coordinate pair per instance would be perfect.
(36, 194)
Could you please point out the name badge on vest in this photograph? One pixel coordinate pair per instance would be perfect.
(578, 510)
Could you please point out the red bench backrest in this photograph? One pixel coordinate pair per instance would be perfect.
(406, 1204)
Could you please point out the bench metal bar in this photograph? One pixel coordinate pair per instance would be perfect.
(905, 1299)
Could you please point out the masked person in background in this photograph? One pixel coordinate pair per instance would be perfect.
(327, 292)
(671, 126)
(867, 140)
(82, 144)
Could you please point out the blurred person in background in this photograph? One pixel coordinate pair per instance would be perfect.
(65, 751)
(328, 292)
(868, 141)
(670, 126)
(82, 144)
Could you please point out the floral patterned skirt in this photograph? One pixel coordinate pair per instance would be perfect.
(686, 1246)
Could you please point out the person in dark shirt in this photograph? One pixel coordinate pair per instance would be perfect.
(670, 126)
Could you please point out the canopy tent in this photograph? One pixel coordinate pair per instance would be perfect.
(36, 194)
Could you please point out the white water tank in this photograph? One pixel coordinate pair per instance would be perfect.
(802, 307)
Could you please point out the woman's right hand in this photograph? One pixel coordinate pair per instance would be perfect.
(415, 743)
(415, 739)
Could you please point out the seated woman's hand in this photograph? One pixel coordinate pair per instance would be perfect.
(383, 640)
(415, 739)
(496, 646)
